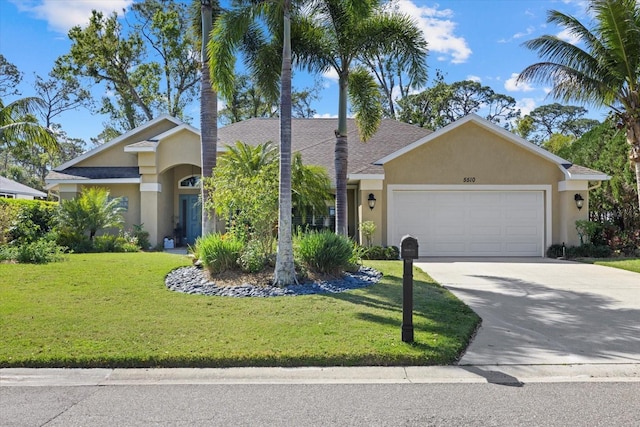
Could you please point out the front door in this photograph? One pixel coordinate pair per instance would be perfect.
(190, 218)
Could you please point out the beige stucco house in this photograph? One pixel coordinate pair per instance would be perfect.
(469, 189)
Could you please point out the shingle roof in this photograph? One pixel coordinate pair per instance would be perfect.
(11, 187)
(82, 173)
(315, 140)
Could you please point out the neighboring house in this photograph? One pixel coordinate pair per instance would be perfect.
(14, 190)
(469, 189)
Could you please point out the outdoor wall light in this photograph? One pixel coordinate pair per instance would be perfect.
(372, 201)
(579, 201)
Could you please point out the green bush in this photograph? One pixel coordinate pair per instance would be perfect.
(252, 258)
(324, 252)
(381, 253)
(142, 236)
(554, 251)
(41, 251)
(217, 252)
(25, 221)
(113, 243)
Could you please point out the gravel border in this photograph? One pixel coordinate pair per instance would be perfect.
(191, 280)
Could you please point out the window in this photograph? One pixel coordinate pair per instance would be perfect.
(192, 181)
(124, 202)
(7, 196)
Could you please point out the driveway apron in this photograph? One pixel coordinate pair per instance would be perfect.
(545, 311)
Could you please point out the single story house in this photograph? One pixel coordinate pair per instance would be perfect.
(10, 189)
(471, 188)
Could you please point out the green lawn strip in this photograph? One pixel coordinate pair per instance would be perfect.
(631, 264)
(113, 310)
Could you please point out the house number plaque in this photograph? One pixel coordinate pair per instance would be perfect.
(469, 179)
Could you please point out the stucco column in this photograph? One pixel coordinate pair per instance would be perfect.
(569, 212)
(149, 193)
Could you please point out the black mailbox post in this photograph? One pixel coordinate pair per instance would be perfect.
(408, 252)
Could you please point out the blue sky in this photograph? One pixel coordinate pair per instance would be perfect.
(468, 39)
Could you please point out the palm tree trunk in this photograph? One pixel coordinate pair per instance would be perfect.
(341, 158)
(208, 119)
(285, 273)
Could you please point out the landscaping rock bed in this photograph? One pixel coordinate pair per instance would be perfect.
(193, 280)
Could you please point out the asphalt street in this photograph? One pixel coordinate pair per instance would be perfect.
(536, 404)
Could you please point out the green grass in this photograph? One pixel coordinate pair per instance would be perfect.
(113, 310)
(632, 264)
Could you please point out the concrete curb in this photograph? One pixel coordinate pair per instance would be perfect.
(511, 375)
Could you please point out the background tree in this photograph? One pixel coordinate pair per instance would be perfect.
(444, 103)
(604, 148)
(10, 78)
(335, 34)
(545, 121)
(19, 127)
(166, 26)
(605, 72)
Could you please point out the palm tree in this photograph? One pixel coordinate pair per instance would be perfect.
(605, 72)
(208, 112)
(335, 35)
(240, 28)
(19, 127)
(92, 211)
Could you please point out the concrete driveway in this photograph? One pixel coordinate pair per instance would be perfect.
(544, 311)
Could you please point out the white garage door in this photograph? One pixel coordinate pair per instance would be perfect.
(470, 223)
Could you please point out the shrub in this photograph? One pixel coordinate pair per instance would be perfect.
(554, 251)
(252, 258)
(381, 253)
(41, 251)
(368, 229)
(324, 252)
(142, 237)
(24, 221)
(218, 252)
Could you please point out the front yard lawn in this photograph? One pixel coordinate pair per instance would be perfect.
(113, 310)
(632, 264)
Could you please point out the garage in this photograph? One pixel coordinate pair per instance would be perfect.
(470, 223)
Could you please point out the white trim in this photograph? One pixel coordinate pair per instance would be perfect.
(546, 189)
(117, 140)
(151, 187)
(54, 182)
(145, 149)
(362, 176)
(584, 177)
(573, 185)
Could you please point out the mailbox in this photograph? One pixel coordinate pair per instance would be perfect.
(409, 247)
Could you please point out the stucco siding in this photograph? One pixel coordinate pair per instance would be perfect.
(181, 148)
(470, 156)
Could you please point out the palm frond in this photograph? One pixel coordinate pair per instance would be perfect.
(365, 102)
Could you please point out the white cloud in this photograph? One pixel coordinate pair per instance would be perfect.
(325, 116)
(526, 105)
(331, 75)
(438, 30)
(61, 15)
(568, 36)
(512, 84)
(525, 33)
(474, 78)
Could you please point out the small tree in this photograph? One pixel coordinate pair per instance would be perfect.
(368, 229)
(90, 212)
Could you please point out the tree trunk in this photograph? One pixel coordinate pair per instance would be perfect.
(341, 158)
(208, 120)
(285, 273)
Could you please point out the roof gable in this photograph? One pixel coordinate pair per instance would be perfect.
(127, 135)
(571, 172)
